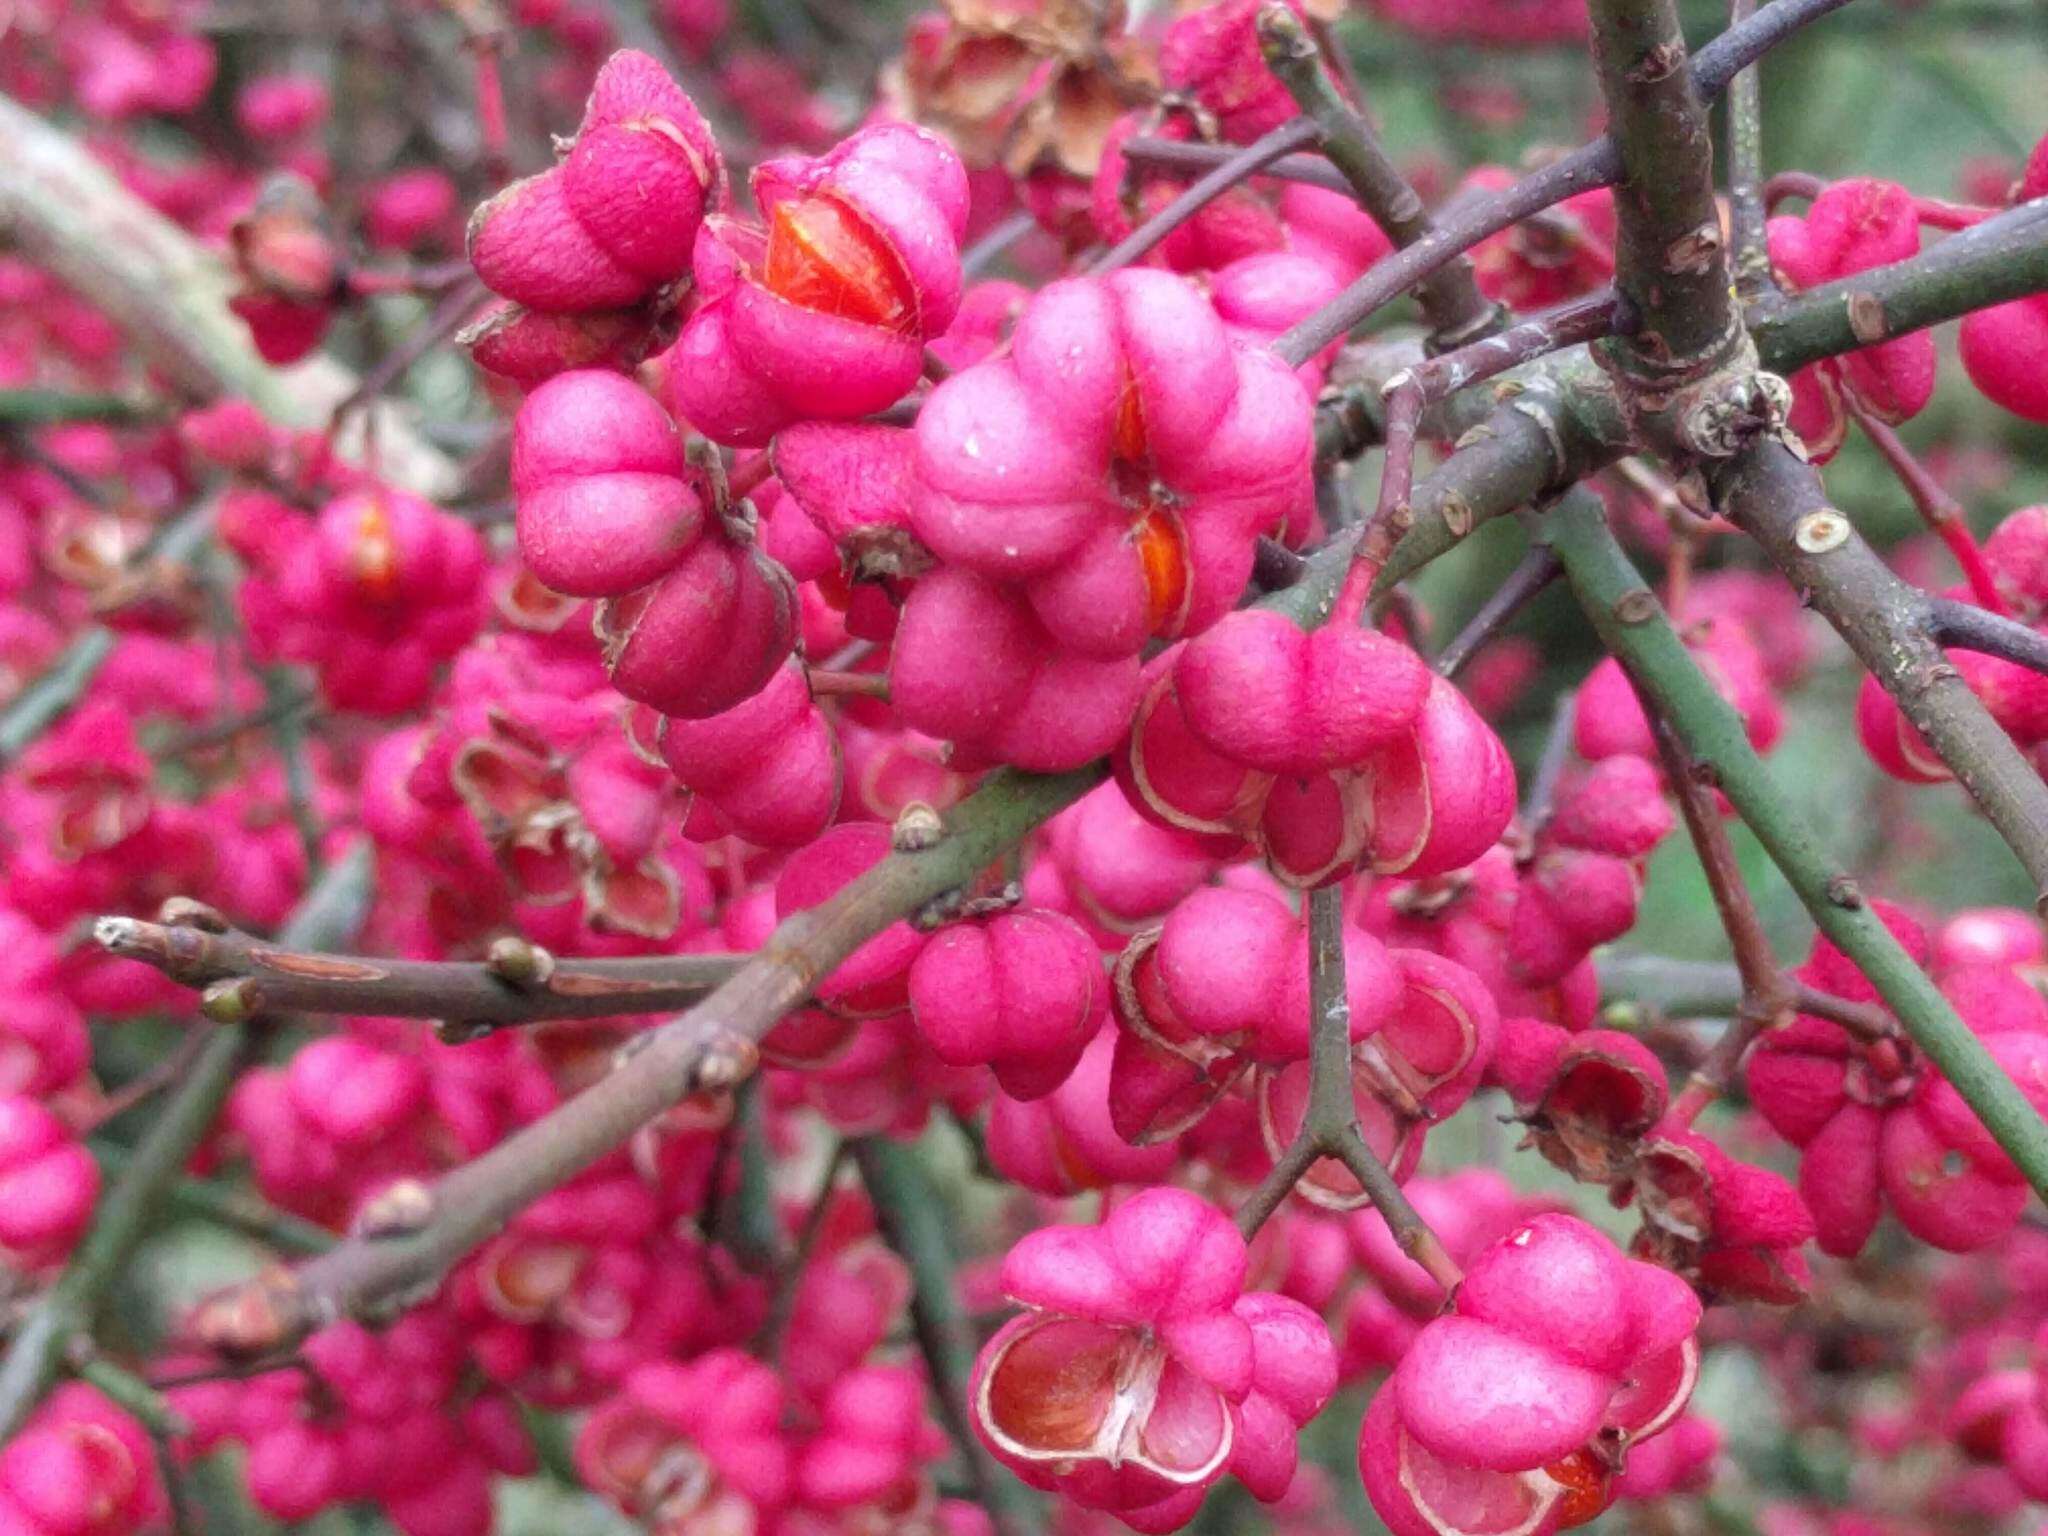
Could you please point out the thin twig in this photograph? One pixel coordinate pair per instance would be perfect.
(68, 1310)
(1180, 155)
(1713, 989)
(1777, 498)
(444, 320)
(2004, 258)
(522, 984)
(799, 1258)
(1551, 763)
(828, 684)
(1532, 574)
(1411, 392)
(1330, 1127)
(1450, 298)
(991, 247)
(1333, 1109)
(1752, 255)
(1768, 999)
(711, 1048)
(1941, 512)
(1598, 164)
(1240, 166)
(1967, 627)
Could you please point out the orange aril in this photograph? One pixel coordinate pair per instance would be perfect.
(823, 256)
(1586, 1483)
(1163, 562)
(1129, 441)
(376, 554)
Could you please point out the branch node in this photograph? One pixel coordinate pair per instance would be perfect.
(398, 1210)
(254, 1319)
(1821, 530)
(1730, 409)
(1866, 318)
(729, 1059)
(186, 912)
(1637, 607)
(117, 935)
(229, 1001)
(1694, 252)
(1658, 64)
(1844, 892)
(519, 963)
(917, 828)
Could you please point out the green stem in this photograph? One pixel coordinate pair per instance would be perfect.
(70, 1308)
(756, 1234)
(42, 703)
(1669, 259)
(2004, 258)
(914, 1222)
(48, 407)
(127, 1390)
(224, 1205)
(1633, 626)
(1746, 172)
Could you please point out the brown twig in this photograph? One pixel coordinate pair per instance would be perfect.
(1239, 166)
(1669, 259)
(1535, 571)
(1713, 989)
(829, 684)
(1450, 298)
(1775, 497)
(240, 976)
(1970, 628)
(404, 1254)
(1768, 999)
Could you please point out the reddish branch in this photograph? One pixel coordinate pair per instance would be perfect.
(1768, 998)
(1223, 175)
(1942, 513)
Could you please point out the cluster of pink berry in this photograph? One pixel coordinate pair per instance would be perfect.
(812, 530)
(2012, 579)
